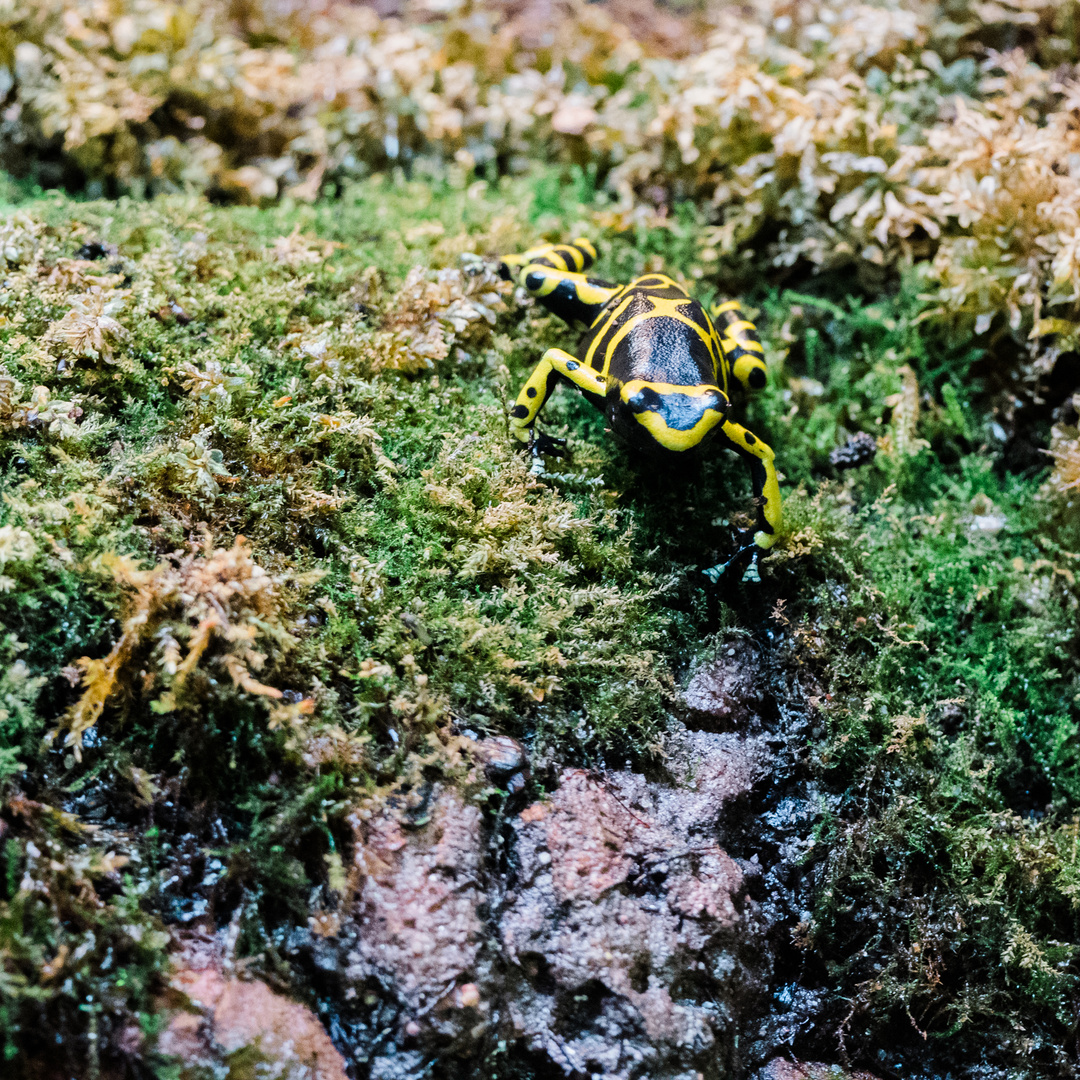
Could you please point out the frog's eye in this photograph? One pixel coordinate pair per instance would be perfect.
(645, 398)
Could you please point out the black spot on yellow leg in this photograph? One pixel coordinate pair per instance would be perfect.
(585, 378)
(541, 382)
(754, 376)
(531, 400)
(759, 457)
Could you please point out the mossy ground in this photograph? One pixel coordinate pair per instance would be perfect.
(270, 496)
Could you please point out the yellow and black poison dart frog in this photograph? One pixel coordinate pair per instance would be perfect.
(655, 363)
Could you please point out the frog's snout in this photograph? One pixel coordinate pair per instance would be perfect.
(677, 417)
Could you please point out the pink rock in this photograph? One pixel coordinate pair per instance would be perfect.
(782, 1069)
(231, 1013)
(726, 692)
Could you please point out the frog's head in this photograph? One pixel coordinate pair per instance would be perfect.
(669, 417)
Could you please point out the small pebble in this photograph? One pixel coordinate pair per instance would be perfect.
(502, 756)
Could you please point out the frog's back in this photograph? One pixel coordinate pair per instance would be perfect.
(655, 332)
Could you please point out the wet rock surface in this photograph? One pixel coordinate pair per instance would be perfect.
(783, 1069)
(727, 692)
(600, 931)
(505, 762)
(418, 920)
(225, 1019)
(630, 933)
(622, 926)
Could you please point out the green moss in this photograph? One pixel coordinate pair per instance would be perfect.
(947, 652)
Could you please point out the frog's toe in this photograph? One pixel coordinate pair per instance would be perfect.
(547, 444)
(751, 573)
(745, 556)
(715, 573)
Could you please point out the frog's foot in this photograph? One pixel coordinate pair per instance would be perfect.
(541, 443)
(746, 557)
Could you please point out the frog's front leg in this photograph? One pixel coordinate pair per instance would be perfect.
(538, 388)
(555, 275)
(759, 456)
(575, 298)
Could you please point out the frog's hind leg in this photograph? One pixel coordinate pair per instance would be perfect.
(759, 456)
(538, 388)
(742, 347)
(575, 257)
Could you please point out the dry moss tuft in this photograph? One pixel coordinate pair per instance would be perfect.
(184, 618)
(1065, 450)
